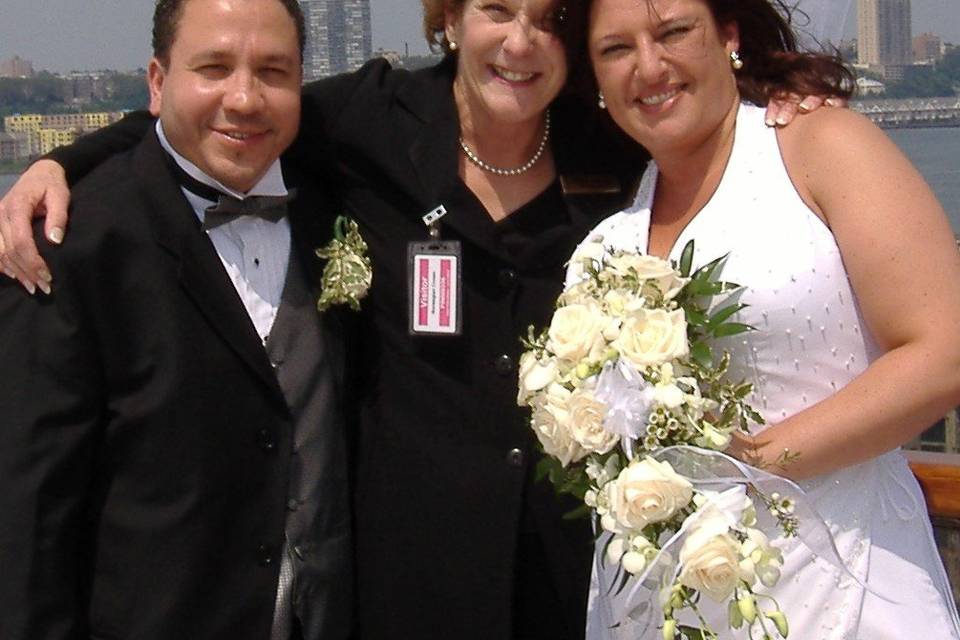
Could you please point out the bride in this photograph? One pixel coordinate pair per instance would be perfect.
(852, 278)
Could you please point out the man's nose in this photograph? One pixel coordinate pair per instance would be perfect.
(243, 93)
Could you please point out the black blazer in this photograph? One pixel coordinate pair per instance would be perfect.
(445, 493)
(446, 499)
(144, 485)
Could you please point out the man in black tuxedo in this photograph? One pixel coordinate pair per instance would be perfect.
(173, 464)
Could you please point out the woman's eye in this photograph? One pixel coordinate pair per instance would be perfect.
(676, 32)
(497, 12)
(612, 49)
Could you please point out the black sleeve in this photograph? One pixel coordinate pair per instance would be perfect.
(50, 398)
(81, 157)
(323, 103)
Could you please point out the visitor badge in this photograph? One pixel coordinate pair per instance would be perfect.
(435, 288)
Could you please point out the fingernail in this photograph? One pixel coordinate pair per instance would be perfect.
(29, 286)
(803, 106)
(45, 276)
(781, 120)
(831, 101)
(770, 122)
(55, 235)
(9, 274)
(44, 286)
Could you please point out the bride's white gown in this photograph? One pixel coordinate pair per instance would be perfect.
(810, 341)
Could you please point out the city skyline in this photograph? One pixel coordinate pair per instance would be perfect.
(338, 36)
(883, 32)
(55, 35)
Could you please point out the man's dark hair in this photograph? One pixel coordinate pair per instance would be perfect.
(166, 17)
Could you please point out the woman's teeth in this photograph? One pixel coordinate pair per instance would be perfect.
(513, 76)
(660, 98)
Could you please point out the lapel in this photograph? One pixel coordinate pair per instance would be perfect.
(202, 276)
(435, 155)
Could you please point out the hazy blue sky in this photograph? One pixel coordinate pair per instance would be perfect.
(61, 35)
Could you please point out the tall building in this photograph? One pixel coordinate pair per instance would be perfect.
(884, 30)
(927, 47)
(339, 36)
(16, 67)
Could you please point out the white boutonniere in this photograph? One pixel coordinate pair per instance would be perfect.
(348, 273)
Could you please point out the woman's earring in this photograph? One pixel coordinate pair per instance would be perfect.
(601, 102)
(735, 61)
(452, 45)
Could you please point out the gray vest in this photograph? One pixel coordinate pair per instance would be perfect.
(316, 574)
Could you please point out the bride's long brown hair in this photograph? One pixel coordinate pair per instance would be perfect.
(773, 63)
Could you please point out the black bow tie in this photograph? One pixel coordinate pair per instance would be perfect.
(228, 208)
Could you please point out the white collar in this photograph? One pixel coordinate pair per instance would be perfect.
(271, 184)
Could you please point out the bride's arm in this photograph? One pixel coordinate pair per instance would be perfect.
(902, 260)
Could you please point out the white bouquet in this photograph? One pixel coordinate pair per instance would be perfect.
(630, 405)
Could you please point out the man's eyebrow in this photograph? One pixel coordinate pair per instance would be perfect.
(278, 58)
(211, 55)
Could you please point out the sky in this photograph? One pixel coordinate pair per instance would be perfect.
(65, 35)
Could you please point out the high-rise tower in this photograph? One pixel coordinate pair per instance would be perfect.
(884, 32)
(339, 37)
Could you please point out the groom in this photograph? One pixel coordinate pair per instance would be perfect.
(173, 463)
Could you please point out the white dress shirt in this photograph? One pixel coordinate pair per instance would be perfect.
(255, 252)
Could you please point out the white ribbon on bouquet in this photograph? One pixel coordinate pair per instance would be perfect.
(719, 474)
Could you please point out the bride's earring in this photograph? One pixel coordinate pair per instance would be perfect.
(601, 102)
(452, 45)
(735, 61)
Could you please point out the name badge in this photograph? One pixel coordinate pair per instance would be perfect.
(435, 288)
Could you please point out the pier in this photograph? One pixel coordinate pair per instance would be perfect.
(911, 113)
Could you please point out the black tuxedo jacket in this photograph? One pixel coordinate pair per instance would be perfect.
(455, 539)
(142, 464)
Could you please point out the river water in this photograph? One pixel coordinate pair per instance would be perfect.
(935, 152)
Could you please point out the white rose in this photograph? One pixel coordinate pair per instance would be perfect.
(586, 423)
(550, 422)
(534, 375)
(616, 301)
(657, 271)
(647, 491)
(653, 336)
(575, 331)
(710, 564)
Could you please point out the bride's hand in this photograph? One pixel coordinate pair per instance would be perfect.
(41, 190)
(782, 109)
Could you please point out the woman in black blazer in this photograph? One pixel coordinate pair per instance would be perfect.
(456, 536)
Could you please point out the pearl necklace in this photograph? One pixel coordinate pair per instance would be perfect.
(472, 157)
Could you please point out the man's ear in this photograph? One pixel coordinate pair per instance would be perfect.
(156, 74)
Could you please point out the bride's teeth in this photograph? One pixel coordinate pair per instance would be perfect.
(237, 136)
(513, 76)
(660, 98)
